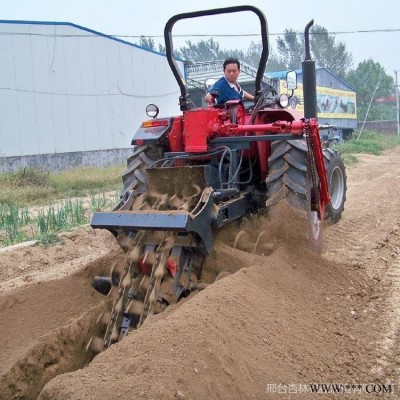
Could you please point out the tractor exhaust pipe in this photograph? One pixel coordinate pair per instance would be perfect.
(309, 78)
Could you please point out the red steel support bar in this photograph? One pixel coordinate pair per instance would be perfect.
(320, 164)
(294, 128)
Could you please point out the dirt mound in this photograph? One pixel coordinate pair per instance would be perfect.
(47, 306)
(281, 319)
(284, 319)
(32, 264)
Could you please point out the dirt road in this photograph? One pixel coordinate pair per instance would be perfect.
(279, 323)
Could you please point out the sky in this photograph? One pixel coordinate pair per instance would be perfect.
(148, 18)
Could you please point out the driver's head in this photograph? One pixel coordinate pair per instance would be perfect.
(231, 69)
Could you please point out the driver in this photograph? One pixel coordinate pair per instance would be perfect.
(227, 88)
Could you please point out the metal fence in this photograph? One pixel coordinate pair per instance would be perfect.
(388, 127)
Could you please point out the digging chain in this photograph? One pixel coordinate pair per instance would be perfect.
(313, 171)
(125, 282)
(158, 270)
(133, 281)
(136, 294)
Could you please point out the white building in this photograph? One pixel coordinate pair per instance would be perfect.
(70, 95)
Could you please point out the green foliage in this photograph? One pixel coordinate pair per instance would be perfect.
(37, 187)
(384, 140)
(328, 53)
(17, 225)
(12, 219)
(290, 49)
(98, 201)
(253, 54)
(204, 50)
(12, 214)
(360, 146)
(33, 187)
(49, 239)
(273, 63)
(325, 51)
(368, 76)
(349, 159)
(210, 50)
(84, 179)
(28, 195)
(369, 143)
(71, 213)
(377, 112)
(26, 177)
(147, 43)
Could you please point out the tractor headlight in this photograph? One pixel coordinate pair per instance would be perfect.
(152, 110)
(283, 100)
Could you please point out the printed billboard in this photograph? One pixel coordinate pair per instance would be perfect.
(331, 103)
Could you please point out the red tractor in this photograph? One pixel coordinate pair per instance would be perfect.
(197, 172)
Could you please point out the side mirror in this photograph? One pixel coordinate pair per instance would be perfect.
(291, 80)
(208, 84)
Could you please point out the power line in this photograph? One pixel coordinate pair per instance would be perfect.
(270, 34)
(202, 35)
(120, 93)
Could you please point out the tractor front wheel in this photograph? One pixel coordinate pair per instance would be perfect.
(336, 173)
(289, 193)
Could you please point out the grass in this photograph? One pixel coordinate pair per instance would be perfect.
(30, 187)
(18, 225)
(49, 239)
(66, 200)
(369, 143)
(85, 180)
(349, 159)
(64, 217)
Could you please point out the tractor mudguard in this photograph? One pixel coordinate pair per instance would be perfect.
(152, 131)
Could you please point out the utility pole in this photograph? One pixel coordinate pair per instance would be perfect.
(369, 106)
(397, 106)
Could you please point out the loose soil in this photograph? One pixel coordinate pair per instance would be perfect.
(284, 318)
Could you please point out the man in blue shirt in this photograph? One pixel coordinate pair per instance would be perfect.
(227, 87)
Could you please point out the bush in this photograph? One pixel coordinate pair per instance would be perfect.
(369, 142)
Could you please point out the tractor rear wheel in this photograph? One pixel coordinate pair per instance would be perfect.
(135, 177)
(289, 187)
(336, 172)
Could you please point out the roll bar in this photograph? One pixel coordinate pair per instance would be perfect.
(184, 97)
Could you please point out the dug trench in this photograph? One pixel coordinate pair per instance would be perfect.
(283, 319)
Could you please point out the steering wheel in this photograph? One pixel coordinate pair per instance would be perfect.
(267, 95)
(268, 92)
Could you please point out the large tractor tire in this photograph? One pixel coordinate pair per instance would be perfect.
(336, 173)
(135, 176)
(289, 189)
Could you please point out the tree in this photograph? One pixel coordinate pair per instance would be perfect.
(204, 50)
(147, 43)
(290, 49)
(368, 76)
(273, 63)
(325, 51)
(210, 50)
(329, 54)
(253, 54)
